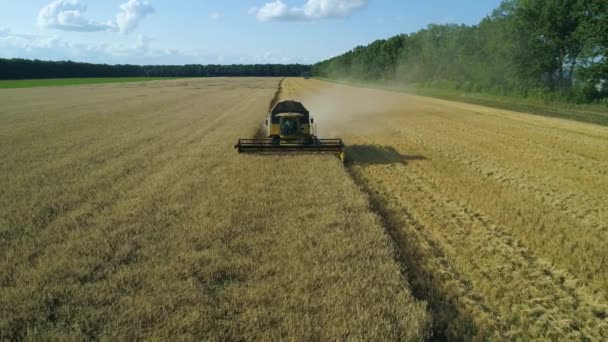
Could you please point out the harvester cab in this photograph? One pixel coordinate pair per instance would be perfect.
(291, 126)
(290, 129)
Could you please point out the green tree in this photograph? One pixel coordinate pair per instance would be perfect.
(541, 46)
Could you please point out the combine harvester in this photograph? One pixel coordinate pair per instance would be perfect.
(290, 130)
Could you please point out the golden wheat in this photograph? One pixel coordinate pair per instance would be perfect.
(125, 213)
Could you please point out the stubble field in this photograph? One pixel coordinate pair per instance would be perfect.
(125, 212)
(501, 218)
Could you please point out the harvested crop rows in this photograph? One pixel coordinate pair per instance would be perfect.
(125, 212)
(501, 218)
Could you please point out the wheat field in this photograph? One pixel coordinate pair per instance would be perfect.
(125, 213)
(501, 217)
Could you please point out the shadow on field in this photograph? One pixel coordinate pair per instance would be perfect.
(419, 254)
(372, 154)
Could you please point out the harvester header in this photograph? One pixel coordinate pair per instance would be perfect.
(290, 129)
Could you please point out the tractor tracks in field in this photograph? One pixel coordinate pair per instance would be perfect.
(535, 202)
(426, 267)
(478, 280)
(517, 164)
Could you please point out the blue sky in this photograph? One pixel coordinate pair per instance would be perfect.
(214, 31)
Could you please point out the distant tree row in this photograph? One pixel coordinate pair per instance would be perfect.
(542, 48)
(36, 69)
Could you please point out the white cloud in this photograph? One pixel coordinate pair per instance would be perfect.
(273, 10)
(215, 15)
(68, 15)
(14, 45)
(139, 51)
(312, 10)
(132, 13)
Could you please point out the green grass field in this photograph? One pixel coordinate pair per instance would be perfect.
(58, 82)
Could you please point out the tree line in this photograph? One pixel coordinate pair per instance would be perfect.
(12, 69)
(552, 49)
